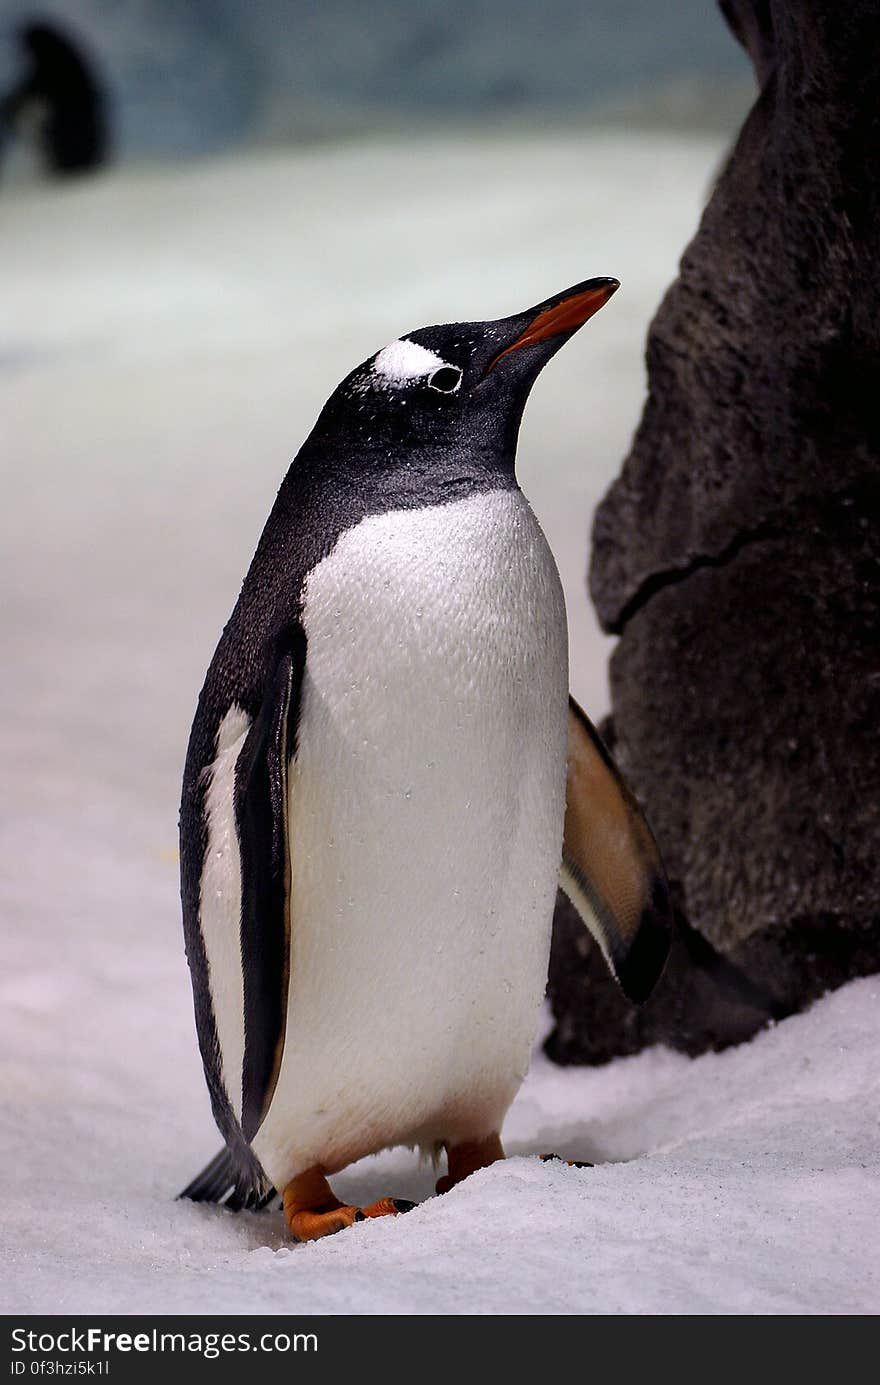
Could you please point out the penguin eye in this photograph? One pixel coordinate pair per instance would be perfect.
(447, 379)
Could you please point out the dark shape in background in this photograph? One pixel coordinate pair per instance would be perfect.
(208, 75)
(60, 85)
(738, 556)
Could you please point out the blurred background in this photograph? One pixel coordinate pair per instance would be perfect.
(204, 75)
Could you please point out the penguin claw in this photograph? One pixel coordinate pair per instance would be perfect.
(572, 1163)
(388, 1207)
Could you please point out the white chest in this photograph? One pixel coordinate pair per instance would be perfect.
(420, 622)
(426, 807)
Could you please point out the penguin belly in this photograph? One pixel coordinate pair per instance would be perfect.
(426, 806)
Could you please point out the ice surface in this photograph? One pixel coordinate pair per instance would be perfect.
(168, 340)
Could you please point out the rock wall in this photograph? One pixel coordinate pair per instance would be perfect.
(738, 557)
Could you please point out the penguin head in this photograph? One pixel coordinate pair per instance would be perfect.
(455, 392)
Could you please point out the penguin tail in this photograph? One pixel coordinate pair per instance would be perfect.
(223, 1181)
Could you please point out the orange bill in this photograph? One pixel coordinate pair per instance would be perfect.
(566, 316)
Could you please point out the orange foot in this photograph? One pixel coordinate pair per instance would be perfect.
(465, 1159)
(312, 1210)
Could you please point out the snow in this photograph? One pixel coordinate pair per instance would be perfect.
(169, 338)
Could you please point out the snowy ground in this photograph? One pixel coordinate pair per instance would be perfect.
(168, 338)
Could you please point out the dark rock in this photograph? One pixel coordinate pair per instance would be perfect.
(738, 554)
(764, 358)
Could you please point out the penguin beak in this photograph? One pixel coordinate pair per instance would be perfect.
(560, 316)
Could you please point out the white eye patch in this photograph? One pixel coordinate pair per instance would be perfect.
(405, 360)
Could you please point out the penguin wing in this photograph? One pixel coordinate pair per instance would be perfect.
(261, 816)
(611, 868)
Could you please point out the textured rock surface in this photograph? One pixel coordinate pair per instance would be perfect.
(738, 556)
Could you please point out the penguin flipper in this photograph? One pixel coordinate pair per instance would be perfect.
(611, 867)
(261, 816)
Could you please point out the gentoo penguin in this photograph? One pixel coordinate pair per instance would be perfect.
(386, 780)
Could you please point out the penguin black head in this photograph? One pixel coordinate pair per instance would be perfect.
(453, 394)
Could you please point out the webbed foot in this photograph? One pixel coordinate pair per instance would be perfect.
(312, 1210)
(465, 1159)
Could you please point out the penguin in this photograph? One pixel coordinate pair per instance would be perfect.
(387, 780)
(61, 84)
